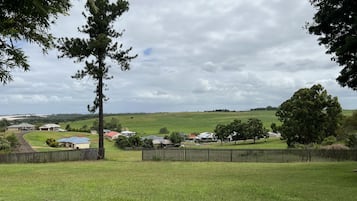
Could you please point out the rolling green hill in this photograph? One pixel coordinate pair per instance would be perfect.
(187, 122)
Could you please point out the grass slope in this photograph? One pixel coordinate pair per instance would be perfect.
(137, 180)
(187, 122)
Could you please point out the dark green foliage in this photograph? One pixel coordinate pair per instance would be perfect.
(147, 144)
(4, 144)
(12, 139)
(52, 142)
(350, 123)
(255, 129)
(27, 21)
(3, 125)
(175, 138)
(68, 127)
(135, 141)
(252, 129)
(274, 127)
(329, 140)
(164, 130)
(95, 50)
(222, 131)
(351, 141)
(122, 142)
(335, 23)
(309, 116)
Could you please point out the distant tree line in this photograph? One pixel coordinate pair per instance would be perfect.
(268, 108)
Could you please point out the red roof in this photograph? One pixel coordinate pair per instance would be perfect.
(111, 134)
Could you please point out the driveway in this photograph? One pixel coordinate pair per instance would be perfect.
(23, 147)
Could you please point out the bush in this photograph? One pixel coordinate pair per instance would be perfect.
(4, 144)
(12, 139)
(164, 130)
(329, 140)
(122, 142)
(135, 141)
(352, 141)
(147, 144)
(52, 142)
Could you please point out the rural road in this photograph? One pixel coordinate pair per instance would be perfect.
(23, 147)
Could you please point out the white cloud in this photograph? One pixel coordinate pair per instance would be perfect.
(193, 55)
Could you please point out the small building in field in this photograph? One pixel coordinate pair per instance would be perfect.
(206, 137)
(75, 142)
(50, 127)
(112, 135)
(21, 127)
(127, 133)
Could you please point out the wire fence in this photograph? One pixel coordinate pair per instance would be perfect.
(250, 155)
(52, 156)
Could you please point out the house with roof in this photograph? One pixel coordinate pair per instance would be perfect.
(206, 137)
(158, 141)
(127, 133)
(50, 127)
(112, 135)
(75, 142)
(21, 127)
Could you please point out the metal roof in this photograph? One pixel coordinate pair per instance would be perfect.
(75, 140)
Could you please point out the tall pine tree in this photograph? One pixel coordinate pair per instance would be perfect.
(95, 50)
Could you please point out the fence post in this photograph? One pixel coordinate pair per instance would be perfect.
(184, 154)
(207, 154)
(231, 155)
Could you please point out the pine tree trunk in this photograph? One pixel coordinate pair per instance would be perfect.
(101, 150)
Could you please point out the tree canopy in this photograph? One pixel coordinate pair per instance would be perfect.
(95, 51)
(252, 129)
(28, 21)
(309, 116)
(335, 23)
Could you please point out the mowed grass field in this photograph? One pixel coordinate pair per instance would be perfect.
(128, 178)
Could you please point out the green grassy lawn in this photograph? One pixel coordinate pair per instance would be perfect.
(123, 176)
(137, 180)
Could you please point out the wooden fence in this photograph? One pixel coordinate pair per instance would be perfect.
(52, 156)
(250, 155)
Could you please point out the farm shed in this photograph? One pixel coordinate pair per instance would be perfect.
(75, 142)
(50, 127)
(21, 127)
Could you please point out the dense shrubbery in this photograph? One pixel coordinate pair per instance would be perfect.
(134, 142)
(8, 143)
(164, 130)
(52, 142)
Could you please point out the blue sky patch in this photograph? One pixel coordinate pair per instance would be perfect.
(148, 51)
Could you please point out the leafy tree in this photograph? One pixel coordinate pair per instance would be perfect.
(222, 131)
(4, 124)
(309, 116)
(335, 23)
(122, 142)
(27, 21)
(352, 141)
(238, 130)
(164, 130)
(95, 50)
(255, 129)
(114, 124)
(175, 138)
(135, 141)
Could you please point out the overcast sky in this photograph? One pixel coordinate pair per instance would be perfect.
(192, 56)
